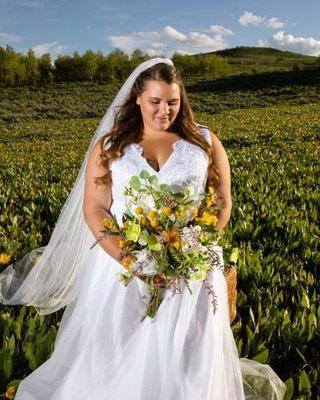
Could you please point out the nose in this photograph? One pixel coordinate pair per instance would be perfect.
(164, 109)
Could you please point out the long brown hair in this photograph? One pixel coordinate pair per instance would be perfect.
(128, 125)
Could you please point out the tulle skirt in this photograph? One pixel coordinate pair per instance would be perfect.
(103, 351)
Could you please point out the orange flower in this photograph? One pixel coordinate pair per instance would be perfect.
(143, 221)
(154, 223)
(10, 392)
(5, 258)
(108, 223)
(173, 237)
(127, 261)
(152, 214)
(166, 211)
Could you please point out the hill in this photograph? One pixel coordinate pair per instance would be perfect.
(264, 59)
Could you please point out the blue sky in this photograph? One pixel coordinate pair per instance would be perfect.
(159, 27)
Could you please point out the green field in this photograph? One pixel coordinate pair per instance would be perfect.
(273, 152)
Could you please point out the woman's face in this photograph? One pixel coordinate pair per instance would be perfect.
(159, 104)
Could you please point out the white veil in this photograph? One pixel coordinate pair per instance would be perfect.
(48, 277)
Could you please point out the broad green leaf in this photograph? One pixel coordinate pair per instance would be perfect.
(290, 389)
(153, 242)
(304, 383)
(262, 357)
(133, 232)
(234, 255)
(6, 362)
(143, 239)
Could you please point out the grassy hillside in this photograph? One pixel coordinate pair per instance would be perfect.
(85, 100)
(247, 60)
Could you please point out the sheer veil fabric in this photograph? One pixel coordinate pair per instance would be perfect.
(51, 281)
(102, 351)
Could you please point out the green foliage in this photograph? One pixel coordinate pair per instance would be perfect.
(84, 99)
(19, 69)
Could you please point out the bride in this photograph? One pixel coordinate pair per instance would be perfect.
(102, 350)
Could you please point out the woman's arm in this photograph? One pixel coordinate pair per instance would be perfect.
(221, 162)
(96, 203)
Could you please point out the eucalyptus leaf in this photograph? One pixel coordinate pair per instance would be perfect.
(144, 174)
(135, 183)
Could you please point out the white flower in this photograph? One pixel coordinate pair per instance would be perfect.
(147, 264)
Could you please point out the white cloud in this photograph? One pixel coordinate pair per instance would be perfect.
(263, 43)
(123, 42)
(173, 34)
(282, 41)
(221, 30)
(53, 48)
(170, 39)
(148, 35)
(154, 53)
(274, 23)
(7, 38)
(159, 45)
(248, 18)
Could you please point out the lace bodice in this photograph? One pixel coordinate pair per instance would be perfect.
(187, 165)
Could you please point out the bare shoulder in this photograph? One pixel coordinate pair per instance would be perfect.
(221, 162)
(218, 148)
(94, 160)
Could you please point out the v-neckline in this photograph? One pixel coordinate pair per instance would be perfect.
(165, 164)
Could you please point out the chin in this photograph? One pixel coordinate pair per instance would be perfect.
(164, 126)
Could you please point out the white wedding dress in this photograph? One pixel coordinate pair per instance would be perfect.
(103, 351)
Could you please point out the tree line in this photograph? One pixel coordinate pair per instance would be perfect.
(28, 69)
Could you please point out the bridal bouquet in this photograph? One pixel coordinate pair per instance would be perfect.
(167, 236)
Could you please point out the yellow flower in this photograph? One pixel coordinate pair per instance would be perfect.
(108, 223)
(10, 392)
(209, 202)
(173, 237)
(208, 218)
(143, 221)
(139, 210)
(211, 190)
(166, 211)
(5, 258)
(152, 214)
(127, 261)
(176, 245)
(154, 222)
